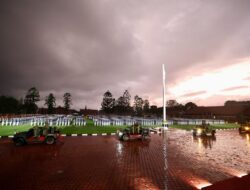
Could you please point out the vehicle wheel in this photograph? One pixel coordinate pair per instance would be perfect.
(125, 137)
(240, 130)
(143, 137)
(213, 133)
(19, 142)
(50, 140)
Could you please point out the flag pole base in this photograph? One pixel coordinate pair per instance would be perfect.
(165, 125)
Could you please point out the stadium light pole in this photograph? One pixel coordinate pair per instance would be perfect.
(164, 123)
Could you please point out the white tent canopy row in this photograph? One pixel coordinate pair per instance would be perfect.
(15, 121)
(103, 121)
(180, 121)
(42, 120)
(126, 121)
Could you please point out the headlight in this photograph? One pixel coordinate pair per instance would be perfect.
(199, 131)
(120, 134)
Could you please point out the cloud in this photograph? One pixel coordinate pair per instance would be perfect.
(194, 94)
(88, 47)
(235, 88)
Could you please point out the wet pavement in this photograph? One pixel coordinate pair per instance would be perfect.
(174, 160)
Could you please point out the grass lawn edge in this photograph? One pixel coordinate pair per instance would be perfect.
(90, 129)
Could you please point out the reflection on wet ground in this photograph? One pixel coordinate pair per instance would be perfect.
(174, 160)
(205, 141)
(212, 159)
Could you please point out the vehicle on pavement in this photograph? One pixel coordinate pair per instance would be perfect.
(244, 128)
(204, 130)
(48, 135)
(133, 132)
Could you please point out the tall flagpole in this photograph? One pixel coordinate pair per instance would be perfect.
(164, 124)
(165, 127)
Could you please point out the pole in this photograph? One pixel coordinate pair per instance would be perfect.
(165, 126)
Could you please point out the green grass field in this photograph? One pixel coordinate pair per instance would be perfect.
(91, 129)
(10, 130)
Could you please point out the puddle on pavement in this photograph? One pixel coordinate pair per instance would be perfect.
(225, 155)
(194, 160)
(173, 160)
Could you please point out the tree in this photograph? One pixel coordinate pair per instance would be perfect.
(119, 105)
(32, 96)
(50, 101)
(122, 105)
(126, 101)
(67, 99)
(146, 106)
(153, 109)
(230, 103)
(190, 105)
(172, 103)
(108, 102)
(241, 118)
(9, 105)
(236, 103)
(138, 105)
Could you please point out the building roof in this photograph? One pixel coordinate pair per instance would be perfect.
(218, 110)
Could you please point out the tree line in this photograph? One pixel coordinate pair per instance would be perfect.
(122, 105)
(28, 105)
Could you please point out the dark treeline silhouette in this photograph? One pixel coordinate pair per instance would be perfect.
(122, 105)
(125, 105)
(28, 105)
(9, 105)
(140, 107)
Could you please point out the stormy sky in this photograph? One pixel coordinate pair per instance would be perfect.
(86, 47)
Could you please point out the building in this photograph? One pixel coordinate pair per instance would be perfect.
(88, 112)
(58, 110)
(230, 113)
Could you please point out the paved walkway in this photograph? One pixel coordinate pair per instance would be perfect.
(172, 161)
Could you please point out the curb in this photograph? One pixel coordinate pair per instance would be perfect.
(72, 135)
(85, 135)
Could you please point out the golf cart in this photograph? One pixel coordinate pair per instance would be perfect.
(48, 135)
(133, 132)
(244, 128)
(204, 130)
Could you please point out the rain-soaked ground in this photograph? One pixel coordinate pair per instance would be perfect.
(172, 161)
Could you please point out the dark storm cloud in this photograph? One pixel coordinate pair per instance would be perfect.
(87, 47)
(59, 45)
